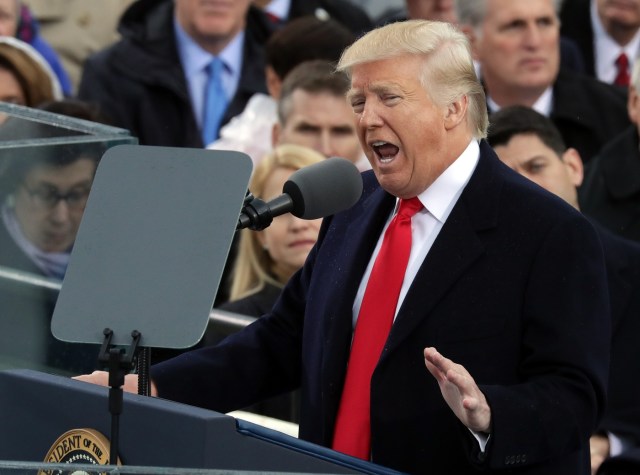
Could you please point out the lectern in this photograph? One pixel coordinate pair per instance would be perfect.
(36, 408)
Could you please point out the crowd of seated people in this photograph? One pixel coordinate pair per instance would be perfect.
(260, 78)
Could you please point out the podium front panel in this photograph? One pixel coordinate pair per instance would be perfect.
(36, 408)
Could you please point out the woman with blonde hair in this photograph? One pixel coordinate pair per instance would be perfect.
(267, 259)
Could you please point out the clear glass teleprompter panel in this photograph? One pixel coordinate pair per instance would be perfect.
(47, 163)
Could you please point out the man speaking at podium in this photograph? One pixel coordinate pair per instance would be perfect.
(449, 260)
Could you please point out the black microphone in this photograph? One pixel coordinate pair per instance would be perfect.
(313, 192)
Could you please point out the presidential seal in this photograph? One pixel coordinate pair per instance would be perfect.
(78, 446)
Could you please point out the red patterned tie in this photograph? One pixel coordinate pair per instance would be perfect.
(352, 433)
(622, 63)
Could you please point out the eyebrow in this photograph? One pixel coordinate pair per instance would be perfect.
(376, 88)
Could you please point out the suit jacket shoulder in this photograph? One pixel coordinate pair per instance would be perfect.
(588, 112)
(349, 14)
(575, 18)
(140, 84)
(622, 258)
(610, 192)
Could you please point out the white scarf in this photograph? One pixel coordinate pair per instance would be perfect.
(52, 264)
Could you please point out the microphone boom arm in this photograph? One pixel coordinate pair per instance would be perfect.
(258, 215)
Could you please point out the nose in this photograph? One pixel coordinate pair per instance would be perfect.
(326, 144)
(533, 36)
(370, 117)
(297, 224)
(60, 213)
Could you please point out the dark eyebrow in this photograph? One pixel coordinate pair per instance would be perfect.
(306, 125)
(342, 128)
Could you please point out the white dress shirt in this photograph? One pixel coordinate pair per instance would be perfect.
(606, 50)
(195, 61)
(438, 201)
(543, 105)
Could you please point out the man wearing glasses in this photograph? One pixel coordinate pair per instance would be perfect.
(42, 211)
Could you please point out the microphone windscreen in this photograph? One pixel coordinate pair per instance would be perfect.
(324, 188)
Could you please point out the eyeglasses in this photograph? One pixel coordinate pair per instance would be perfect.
(48, 197)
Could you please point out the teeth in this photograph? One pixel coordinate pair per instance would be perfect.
(378, 144)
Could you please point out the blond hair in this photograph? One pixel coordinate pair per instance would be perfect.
(253, 265)
(448, 72)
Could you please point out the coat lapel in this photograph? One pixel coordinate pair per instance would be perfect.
(455, 249)
(360, 240)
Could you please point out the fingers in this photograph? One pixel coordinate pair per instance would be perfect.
(460, 391)
(97, 377)
(434, 370)
(599, 448)
(443, 369)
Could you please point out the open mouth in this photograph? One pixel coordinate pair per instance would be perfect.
(385, 151)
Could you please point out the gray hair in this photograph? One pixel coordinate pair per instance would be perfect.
(472, 12)
(448, 71)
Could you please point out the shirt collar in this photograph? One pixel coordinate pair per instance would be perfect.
(194, 59)
(279, 8)
(543, 105)
(606, 49)
(443, 193)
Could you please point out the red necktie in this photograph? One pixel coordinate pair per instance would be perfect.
(352, 433)
(273, 18)
(622, 63)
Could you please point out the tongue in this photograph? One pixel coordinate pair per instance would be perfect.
(387, 150)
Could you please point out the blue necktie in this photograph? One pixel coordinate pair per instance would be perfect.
(215, 102)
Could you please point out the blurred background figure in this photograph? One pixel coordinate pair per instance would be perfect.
(611, 188)
(349, 14)
(42, 200)
(75, 29)
(44, 195)
(530, 144)
(302, 39)
(313, 112)
(182, 69)
(267, 259)
(16, 21)
(26, 78)
(445, 10)
(435, 10)
(516, 44)
(608, 35)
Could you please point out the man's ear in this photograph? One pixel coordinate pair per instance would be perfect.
(456, 112)
(575, 168)
(274, 83)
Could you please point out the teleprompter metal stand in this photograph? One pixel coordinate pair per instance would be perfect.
(119, 363)
(149, 256)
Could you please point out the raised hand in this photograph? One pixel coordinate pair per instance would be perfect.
(460, 391)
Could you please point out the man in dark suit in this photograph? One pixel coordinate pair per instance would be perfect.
(344, 12)
(495, 265)
(610, 192)
(516, 45)
(603, 30)
(152, 81)
(445, 10)
(530, 144)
